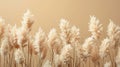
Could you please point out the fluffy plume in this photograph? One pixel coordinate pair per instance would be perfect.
(13, 36)
(21, 36)
(47, 64)
(57, 60)
(69, 35)
(2, 25)
(31, 49)
(54, 41)
(65, 55)
(86, 47)
(5, 47)
(107, 64)
(52, 36)
(22, 33)
(39, 44)
(113, 29)
(104, 47)
(95, 27)
(39, 37)
(19, 56)
(75, 35)
(27, 19)
(114, 33)
(64, 25)
(8, 35)
(65, 30)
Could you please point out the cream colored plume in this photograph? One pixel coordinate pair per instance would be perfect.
(53, 39)
(104, 47)
(2, 26)
(95, 27)
(64, 24)
(27, 19)
(23, 31)
(65, 31)
(47, 64)
(75, 35)
(5, 47)
(107, 64)
(65, 55)
(57, 60)
(2, 21)
(87, 46)
(19, 56)
(52, 36)
(22, 35)
(114, 32)
(40, 36)
(39, 40)
(14, 35)
(112, 28)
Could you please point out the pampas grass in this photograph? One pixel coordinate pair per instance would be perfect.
(19, 56)
(107, 64)
(19, 48)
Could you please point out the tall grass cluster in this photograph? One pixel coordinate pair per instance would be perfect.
(19, 48)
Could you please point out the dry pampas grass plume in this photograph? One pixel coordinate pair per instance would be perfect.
(113, 33)
(19, 56)
(39, 43)
(25, 28)
(5, 47)
(104, 47)
(65, 55)
(107, 64)
(2, 27)
(95, 27)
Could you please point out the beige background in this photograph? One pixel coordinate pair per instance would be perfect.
(49, 12)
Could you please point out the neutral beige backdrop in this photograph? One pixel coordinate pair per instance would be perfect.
(49, 12)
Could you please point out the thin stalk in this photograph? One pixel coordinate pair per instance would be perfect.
(111, 60)
(89, 61)
(15, 64)
(33, 62)
(74, 55)
(98, 64)
(4, 62)
(52, 56)
(83, 64)
(39, 62)
(28, 54)
(114, 54)
(103, 62)
(30, 60)
(94, 64)
(7, 60)
(25, 57)
(22, 65)
(79, 63)
(11, 59)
